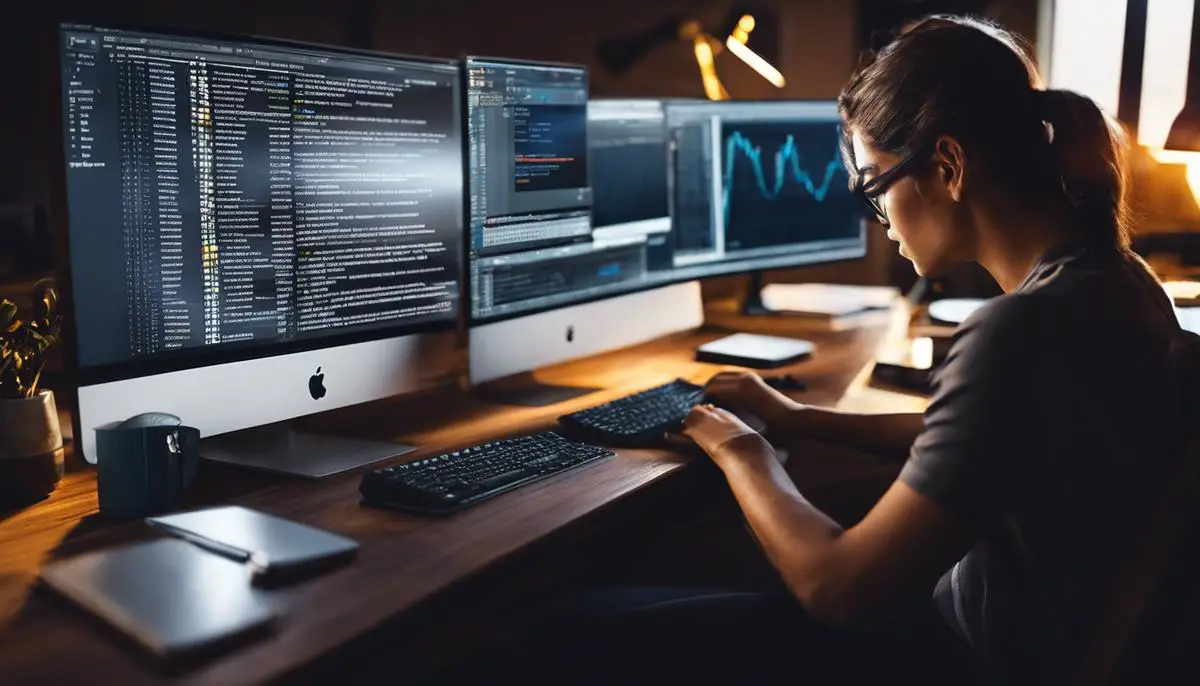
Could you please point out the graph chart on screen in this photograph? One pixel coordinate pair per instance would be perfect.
(782, 182)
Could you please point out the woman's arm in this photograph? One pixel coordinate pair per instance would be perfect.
(840, 575)
(891, 434)
(786, 419)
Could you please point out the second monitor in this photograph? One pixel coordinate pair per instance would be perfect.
(542, 278)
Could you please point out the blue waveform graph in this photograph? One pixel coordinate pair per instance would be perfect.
(784, 183)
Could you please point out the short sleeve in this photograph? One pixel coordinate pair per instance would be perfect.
(969, 455)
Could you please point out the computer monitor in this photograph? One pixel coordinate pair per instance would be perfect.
(547, 285)
(257, 230)
(758, 185)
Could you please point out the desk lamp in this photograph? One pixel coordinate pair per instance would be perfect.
(1181, 145)
(1185, 131)
(739, 24)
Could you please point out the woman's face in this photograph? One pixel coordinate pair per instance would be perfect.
(921, 209)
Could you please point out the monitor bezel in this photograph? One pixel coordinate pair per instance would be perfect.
(716, 270)
(199, 357)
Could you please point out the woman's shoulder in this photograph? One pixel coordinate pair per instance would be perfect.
(1006, 329)
(1010, 311)
(1075, 300)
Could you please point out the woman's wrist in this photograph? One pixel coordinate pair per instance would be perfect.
(743, 449)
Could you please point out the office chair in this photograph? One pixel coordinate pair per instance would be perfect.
(1140, 581)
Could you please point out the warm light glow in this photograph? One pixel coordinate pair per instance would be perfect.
(708, 69)
(756, 62)
(741, 32)
(689, 29)
(1190, 159)
(921, 353)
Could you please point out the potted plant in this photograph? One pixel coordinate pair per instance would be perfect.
(31, 460)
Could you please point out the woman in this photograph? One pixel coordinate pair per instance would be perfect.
(1048, 437)
(1045, 444)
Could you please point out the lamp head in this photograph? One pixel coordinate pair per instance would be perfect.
(1185, 132)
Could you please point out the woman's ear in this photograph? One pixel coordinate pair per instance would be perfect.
(951, 165)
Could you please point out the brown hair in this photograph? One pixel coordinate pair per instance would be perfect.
(973, 80)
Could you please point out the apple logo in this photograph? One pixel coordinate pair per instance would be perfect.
(316, 385)
(570, 334)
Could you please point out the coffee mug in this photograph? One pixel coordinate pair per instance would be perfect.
(144, 464)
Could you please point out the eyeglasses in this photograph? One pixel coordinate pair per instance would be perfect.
(870, 191)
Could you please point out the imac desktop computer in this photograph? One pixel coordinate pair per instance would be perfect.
(257, 231)
(545, 284)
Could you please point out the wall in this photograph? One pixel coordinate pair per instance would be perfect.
(816, 54)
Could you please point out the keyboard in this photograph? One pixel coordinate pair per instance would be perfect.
(637, 420)
(444, 484)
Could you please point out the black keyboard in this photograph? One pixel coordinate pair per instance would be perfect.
(443, 484)
(637, 420)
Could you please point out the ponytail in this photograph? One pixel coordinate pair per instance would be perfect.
(971, 79)
(1091, 151)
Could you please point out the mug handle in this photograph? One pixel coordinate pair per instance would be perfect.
(188, 441)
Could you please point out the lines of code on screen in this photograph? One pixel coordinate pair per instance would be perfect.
(549, 146)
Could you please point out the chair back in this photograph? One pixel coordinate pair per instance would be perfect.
(1141, 577)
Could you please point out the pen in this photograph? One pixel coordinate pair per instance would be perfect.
(227, 551)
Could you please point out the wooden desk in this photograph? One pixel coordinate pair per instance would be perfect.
(418, 585)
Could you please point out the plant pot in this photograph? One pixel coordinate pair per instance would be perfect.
(31, 456)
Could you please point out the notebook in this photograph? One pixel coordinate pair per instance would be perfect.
(172, 598)
(277, 549)
(754, 350)
(826, 299)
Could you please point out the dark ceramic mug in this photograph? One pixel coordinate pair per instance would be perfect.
(144, 464)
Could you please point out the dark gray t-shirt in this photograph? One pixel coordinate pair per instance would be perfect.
(1051, 428)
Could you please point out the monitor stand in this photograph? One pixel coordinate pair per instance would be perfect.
(755, 351)
(283, 449)
(752, 303)
(524, 390)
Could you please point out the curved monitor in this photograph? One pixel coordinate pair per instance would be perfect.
(678, 191)
(255, 228)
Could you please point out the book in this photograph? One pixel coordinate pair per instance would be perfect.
(173, 599)
(277, 549)
(825, 300)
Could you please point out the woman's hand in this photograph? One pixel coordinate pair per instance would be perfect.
(722, 435)
(747, 391)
